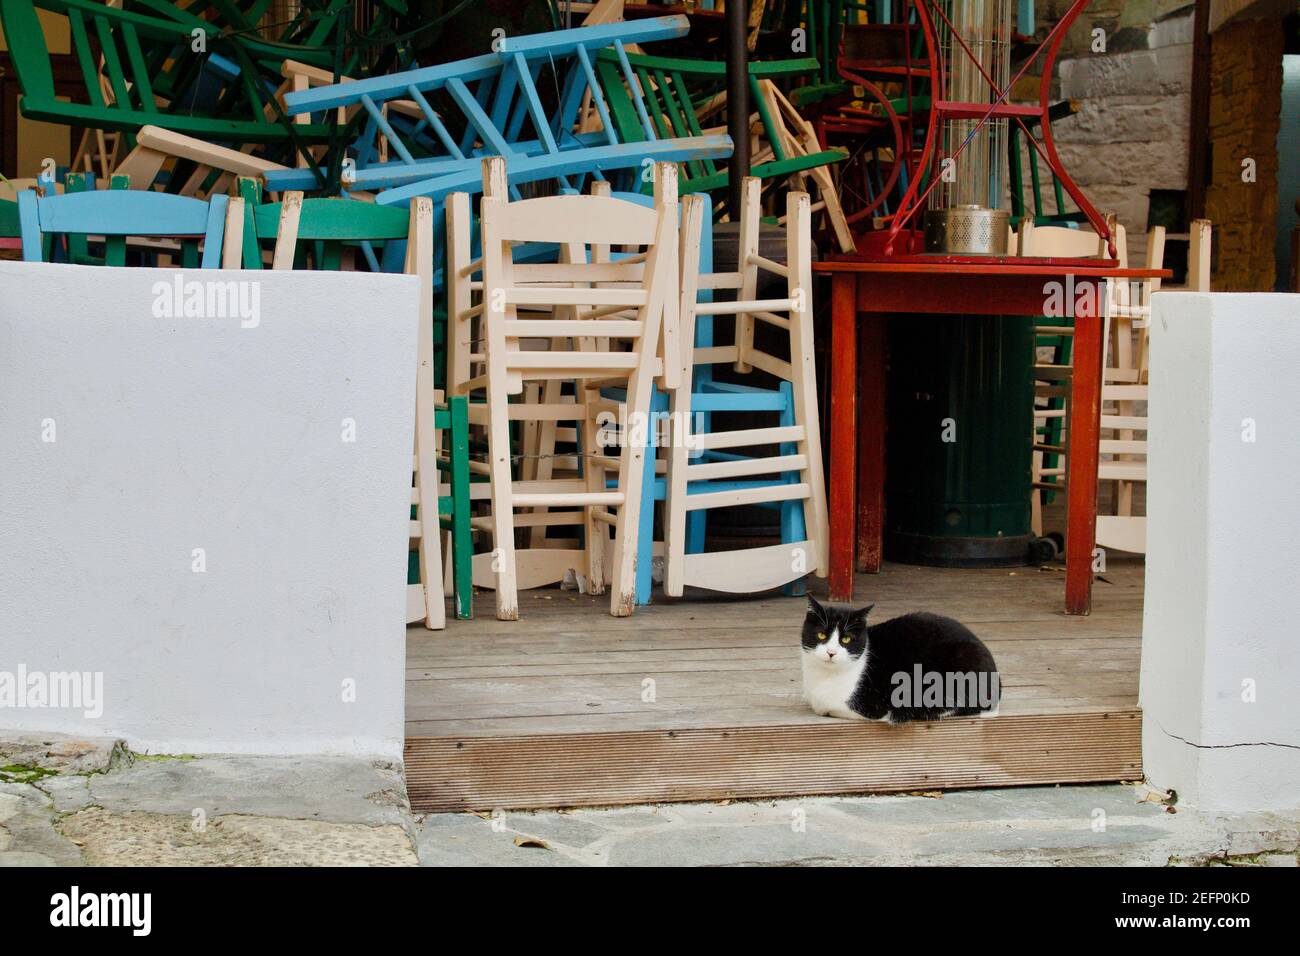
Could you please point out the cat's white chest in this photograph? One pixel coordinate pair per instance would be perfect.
(828, 688)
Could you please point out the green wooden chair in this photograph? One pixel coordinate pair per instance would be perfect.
(321, 234)
(310, 35)
(655, 97)
(144, 58)
(1020, 143)
(10, 230)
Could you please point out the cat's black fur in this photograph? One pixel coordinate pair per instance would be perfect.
(938, 644)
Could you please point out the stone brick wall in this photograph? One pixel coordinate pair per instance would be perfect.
(1130, 135)
(1245, 112)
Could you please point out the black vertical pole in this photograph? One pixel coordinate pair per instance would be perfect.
(737, 31)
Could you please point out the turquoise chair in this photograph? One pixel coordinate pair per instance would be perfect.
(52, 225)
(498, 110)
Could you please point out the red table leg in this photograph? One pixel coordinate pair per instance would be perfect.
(1081, 464)
(843, 434)
(872, 329)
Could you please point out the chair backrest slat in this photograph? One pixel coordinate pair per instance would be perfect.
(112, 62)
(118, 213)
(85, 60)
(27, 48)
(343, 220)
(124, 213)
(139, 71)
(601, 221)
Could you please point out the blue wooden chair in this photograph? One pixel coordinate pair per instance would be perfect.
(496, 110)
(51, 226)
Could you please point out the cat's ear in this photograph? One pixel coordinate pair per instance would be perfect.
(815, 608)
(860, 615)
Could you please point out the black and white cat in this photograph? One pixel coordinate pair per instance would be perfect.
(914, 667)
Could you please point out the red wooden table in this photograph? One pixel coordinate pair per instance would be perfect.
(864, 293)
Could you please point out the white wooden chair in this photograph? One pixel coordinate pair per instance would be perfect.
(798, 138)
(10, 188)
(1051, 397)
(717, 458)
(583, 320)
(156, 146)
(1123, 446)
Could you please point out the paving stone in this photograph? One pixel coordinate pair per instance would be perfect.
(747, 845)
(1008, 803)
(1008, 837)
(10, 806)
(27, 828)
(68, 794)
(574, 830)
(463, 839)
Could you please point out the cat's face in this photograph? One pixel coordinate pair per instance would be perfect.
(833, 635)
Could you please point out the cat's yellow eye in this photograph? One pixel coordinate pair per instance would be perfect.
(845, 640)
(821, 636)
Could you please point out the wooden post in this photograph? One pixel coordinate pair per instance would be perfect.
(1081, 464)
(737, 35)
(843, 433)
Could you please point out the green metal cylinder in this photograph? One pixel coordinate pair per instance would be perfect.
(959, 440)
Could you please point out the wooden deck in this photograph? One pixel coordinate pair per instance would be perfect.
(701, 698)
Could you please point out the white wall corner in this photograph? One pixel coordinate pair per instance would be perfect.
(1220, 658)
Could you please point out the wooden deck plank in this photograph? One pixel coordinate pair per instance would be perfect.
(558, 770)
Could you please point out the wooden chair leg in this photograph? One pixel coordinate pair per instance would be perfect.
(462, 539)
(503, 519)
(594, 531)
(631, 477)
(1036, 495)
(419, 249)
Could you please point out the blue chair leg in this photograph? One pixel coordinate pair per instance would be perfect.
(646, 534)
(792, 525)
(697, 521)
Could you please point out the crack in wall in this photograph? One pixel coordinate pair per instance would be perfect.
(1191, 743)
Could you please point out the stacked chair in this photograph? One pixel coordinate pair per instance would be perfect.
(709, 467)
(1126, 312)
(596, 293)
(652, 98)
(592, 392)
(582, 320)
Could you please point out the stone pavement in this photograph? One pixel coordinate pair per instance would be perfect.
(68, 802)
(1076, 825)
(112, 807)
